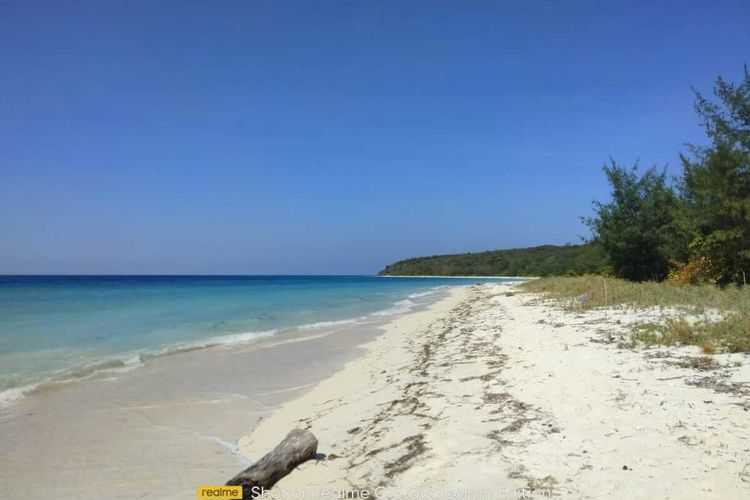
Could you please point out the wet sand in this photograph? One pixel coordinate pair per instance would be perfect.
(158, 431)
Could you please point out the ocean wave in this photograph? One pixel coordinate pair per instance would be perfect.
(14, 394)
(111, 364)
(400, 307)
(219, 341)
(326, 324)
(131, 360)
(125, 362)
(431, 291)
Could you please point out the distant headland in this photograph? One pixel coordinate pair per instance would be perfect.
(545, 260)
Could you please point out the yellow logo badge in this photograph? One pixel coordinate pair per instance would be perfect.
(223, 492)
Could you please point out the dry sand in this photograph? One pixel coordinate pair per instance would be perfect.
(495, 393)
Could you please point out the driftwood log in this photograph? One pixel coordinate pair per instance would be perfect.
(297, 447)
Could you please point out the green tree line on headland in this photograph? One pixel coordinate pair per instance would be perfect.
(691, 229)
(547, 260)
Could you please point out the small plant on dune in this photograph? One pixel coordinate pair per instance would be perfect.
(649, 334)
(708, 348)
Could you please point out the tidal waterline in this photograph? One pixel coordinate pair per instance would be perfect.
(66, 327)
(174, 422)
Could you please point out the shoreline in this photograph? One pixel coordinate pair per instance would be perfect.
(458, 277)
(500, 390)
(118, 363)
(485, 389)
(171, 424)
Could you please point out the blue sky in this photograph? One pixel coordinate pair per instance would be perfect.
(333, 136)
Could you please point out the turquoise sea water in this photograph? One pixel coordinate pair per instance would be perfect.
(61, 327)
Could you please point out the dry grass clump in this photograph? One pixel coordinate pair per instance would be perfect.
(601, 291)
(729, 334)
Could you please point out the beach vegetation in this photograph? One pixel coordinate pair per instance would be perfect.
(727, 330)
(697, 230)
(637, 229)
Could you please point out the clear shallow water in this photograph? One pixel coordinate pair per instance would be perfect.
(54, 327)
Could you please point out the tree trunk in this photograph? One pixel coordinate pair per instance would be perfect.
(297, 447)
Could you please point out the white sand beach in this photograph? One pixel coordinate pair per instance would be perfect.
(488, 392)
(492, 392)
